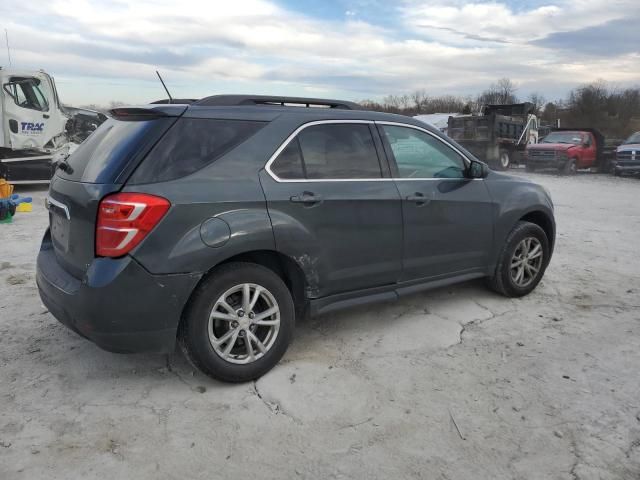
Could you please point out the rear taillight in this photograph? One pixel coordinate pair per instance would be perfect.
(124, 219)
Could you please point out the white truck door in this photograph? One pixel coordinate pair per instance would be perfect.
(31, 114)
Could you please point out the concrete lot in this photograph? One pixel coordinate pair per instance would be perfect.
(457, 383)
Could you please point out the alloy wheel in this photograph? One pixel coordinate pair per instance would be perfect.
(526, 262)
(244, 323)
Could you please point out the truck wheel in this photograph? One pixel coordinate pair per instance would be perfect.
(239, 323)
(522, 262)
(570, 167)
(504, 161)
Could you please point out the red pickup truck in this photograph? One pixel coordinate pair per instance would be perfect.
(567, 150)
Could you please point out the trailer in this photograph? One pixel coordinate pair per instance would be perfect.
(35, 128)
(499, 136)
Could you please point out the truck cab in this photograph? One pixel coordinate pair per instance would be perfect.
(30, 112)
(567, 151)
(35, 129)
(628, 156)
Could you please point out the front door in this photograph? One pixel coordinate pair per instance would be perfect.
(333, 210)
(448, 218)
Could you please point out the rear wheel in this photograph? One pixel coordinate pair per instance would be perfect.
(239, 323)
(522, 261)
(504, 160)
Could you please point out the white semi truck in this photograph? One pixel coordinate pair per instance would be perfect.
(36, 129)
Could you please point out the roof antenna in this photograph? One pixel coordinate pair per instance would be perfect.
(6, 36)
(165, 87)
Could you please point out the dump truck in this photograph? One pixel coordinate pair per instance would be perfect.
(498, 136)
(36, 129)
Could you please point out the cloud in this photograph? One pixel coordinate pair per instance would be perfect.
(615, 37)
(208, 46)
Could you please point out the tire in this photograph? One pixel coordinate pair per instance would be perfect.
(504, 160)
(503, 280)
(197, 331)
(570, 167)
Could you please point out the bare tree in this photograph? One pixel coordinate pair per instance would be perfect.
(538, 101)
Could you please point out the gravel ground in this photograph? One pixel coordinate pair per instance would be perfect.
(457, 383)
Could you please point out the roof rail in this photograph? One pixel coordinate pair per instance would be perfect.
(238, 100)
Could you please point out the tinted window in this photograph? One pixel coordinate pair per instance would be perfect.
(420, 155)
(288, 165)
(108, 150)
(191, 144)
(339, 151)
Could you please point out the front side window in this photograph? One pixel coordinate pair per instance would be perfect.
(26, 93)
(420, 155)
(330, 151)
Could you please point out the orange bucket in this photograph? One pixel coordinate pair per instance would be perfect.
(6, 189)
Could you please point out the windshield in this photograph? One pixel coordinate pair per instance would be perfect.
(572, 138)
(635, 138)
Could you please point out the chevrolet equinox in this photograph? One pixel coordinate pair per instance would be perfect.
(217, 222)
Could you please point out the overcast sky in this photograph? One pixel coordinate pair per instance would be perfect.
(354, 49)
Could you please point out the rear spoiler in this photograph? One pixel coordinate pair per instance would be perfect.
(133, 114)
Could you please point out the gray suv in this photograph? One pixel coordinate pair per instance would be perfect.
(219, 222)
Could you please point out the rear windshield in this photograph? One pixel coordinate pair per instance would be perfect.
(191, 144)
(104, 155)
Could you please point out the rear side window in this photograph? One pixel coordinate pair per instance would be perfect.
(191, 144)
(329, 151)
(108, 150)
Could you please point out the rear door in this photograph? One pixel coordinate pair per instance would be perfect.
(334, 208)
(448, 219)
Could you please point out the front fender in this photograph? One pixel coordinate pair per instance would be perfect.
(515, 198)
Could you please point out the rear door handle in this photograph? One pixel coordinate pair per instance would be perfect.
(419, 198)
(308, 198)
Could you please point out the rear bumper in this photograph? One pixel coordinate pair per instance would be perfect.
(118, 305)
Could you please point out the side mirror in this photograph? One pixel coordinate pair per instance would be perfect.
(477, 169)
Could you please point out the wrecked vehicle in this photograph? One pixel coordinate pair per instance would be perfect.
(220, 222)
(568, 150)
(36, 129)
(628, 156)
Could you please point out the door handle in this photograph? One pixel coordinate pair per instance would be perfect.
(308, 198)
(419, 198)
(44, 115)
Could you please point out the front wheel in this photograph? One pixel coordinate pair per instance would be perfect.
(522, 261)
(570, 167)
(239, 323)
